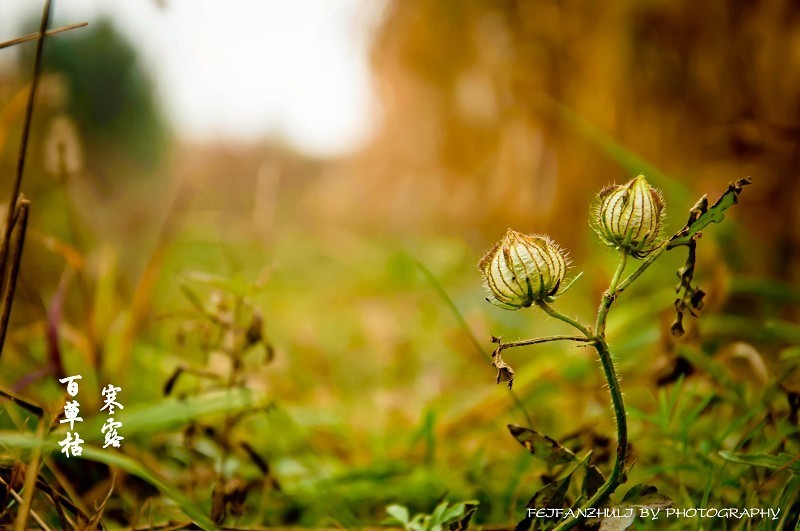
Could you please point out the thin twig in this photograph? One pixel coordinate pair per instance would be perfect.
(36, 517)
(513, 344)
(48, 33)
(23, 403)
(172, 526)
(70, 498)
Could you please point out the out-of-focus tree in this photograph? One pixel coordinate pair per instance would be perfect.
(111, 98)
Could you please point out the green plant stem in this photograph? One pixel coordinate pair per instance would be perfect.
(618, 273)
(658, 251)
(569, 320)
(8, 278)
(23, 146)
(617, 476)
(609, 297)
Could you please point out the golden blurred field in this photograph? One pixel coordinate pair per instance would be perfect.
(327, 314)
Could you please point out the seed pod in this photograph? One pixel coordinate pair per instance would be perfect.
(522, 269)
(629, 217)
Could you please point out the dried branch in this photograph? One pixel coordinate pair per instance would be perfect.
(48, 33)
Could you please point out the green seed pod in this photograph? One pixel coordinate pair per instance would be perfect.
(629, 217)
(522, 269)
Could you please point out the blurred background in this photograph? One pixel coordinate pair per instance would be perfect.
(291, 198)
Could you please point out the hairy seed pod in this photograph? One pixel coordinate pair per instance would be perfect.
(522, 269)
(629, 217)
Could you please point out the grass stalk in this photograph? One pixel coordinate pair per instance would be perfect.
(9, 281)
(21, 222)
(29, 488)
(434, 282)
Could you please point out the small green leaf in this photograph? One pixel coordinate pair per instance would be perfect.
(453, 512)
(420, 522)
(438, 513)
(541, 446)
(459, 514)
(399, 513)
(460, 521)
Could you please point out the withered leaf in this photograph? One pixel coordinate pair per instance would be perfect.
(690, 298)
(172, 381)
(218, 504)
(504, 371)
(551, 496)
(592, 480)
(701, 216)
(541, 446)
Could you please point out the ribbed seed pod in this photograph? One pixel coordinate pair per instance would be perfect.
(522, 269)
(629, 217)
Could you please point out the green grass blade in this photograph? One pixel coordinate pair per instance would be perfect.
(432, 280)
(168, 414)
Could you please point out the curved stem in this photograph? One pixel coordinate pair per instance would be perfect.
(569, 320)
(617, 476)
(647, 263)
